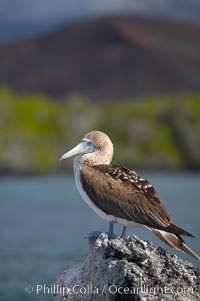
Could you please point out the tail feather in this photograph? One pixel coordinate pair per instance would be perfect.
(176, 230)
(175, 241)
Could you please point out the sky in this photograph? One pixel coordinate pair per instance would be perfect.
(21, 18)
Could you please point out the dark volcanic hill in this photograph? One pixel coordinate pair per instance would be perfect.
(112, 57)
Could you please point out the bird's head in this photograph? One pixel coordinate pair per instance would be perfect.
(95, 147)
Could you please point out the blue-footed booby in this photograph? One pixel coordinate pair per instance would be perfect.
(119, 195)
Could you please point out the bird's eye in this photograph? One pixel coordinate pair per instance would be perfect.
(88, 142)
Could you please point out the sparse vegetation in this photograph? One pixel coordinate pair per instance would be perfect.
(148, 132)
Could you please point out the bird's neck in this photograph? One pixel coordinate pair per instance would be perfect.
(92, 159)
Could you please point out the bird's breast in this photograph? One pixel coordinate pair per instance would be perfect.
(77, 175)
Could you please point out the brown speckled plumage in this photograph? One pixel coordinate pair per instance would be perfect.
(121, 192)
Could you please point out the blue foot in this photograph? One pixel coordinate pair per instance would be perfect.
(94, 234)
(123, 235)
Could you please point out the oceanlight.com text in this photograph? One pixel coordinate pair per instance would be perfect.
(90, 289)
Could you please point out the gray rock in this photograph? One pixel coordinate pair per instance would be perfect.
(130, 269)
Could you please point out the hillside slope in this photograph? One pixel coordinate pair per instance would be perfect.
(107, 58)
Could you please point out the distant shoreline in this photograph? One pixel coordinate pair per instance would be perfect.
(67, 172)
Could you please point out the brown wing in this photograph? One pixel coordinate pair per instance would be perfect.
(122, 193)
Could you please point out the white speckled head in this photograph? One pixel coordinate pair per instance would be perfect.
(103, 147)
(95, 148)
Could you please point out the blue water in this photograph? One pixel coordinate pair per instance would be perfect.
(43, 221)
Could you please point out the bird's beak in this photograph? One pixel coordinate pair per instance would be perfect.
(81, 148)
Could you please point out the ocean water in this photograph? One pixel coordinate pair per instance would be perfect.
(43, 221)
